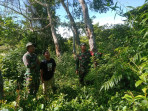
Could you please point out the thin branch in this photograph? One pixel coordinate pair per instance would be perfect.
(42, 28)
(19, 6)
(30, 19)
(39, 18)
(33, 10)
(15, 11)
(43, 4)
(8, 3)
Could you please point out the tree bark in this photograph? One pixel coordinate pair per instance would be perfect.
(88, 25)
(1, 87)
(73, 27)
(53, 30)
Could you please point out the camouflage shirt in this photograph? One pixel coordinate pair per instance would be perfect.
(83, 62)
(31, 63)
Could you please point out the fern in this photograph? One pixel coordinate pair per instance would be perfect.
(115, 79)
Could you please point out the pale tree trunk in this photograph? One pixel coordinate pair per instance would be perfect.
(1, 87)
(73, 27)
(53, 30)
(88, 25)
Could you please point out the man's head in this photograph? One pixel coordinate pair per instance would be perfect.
(83, 46)
(30, 47)
(46, 54)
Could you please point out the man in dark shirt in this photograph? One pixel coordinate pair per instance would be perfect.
(47, 69)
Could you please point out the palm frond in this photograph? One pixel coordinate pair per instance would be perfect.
(115, 79)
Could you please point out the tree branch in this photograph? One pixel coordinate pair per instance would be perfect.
(15, 11)
(42, 28)
(30, 19)
(39, 18)
(43, 4)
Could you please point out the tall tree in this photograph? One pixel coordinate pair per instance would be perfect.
(52, 25)
(95, 5)
(73, 26)
(88, 25)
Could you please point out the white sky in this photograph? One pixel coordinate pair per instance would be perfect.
(102, 19)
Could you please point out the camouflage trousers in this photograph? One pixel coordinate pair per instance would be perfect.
(81, 77)
(32, 84)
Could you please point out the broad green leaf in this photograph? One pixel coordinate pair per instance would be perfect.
(145, 14)
(144, 90)
(139, 97)
(125, 108)
(127, 97)
(138, 83)
(144, 20)
(145, 34)
(143, 58)
(143, 77)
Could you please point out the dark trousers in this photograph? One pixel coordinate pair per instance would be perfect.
(1, 87)
(1, 91)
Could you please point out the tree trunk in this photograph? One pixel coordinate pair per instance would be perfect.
(88, 25)
(1, 87)
(53, 31)
(73, 27)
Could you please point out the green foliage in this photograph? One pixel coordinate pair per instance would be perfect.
(111, 83)
(10, 32)
(12, 66)
(140, 101)
(136, 103)
(66, 65)
(101, 5)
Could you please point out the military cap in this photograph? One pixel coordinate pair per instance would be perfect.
(82, 44)
(29, 44)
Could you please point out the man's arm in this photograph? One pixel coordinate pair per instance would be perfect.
(41, 72)
(54, 65)
(38, 62)
(77, 64)
(26, 61)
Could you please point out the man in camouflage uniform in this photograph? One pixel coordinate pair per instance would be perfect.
(83, 63)
(32, 74)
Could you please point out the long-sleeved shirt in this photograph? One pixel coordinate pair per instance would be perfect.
(31, 62)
